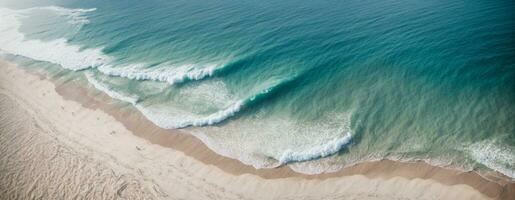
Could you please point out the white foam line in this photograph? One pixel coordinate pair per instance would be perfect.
(252, 160)
(172, 75)
(321, 151)
(162, 119)
(57, 51)
(494, 156)
(109, 91)
(165, 121)
(76, 15)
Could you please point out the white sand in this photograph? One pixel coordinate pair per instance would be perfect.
(52, 148)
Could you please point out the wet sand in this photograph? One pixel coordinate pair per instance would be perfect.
(150, 162)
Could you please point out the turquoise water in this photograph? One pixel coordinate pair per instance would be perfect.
(316, 85)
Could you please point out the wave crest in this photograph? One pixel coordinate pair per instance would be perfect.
(171, 75)
(57, 51)
(165, 121)
(132, 99)
(321, 151)
(75, 16)
(495, 156)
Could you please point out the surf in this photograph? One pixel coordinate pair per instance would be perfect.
(167, 121)
(58, 51)
(169, 74)
(106, 89)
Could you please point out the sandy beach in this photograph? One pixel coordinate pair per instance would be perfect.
(59, 141)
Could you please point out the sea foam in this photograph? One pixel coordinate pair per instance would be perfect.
(105, 88)
(75, 16)
(159, 116)
(164, 120)
(286, 143)
(57, 51)
(175, 117)
(170, 121)
(169, 74)
(320, 151)
(495, 156)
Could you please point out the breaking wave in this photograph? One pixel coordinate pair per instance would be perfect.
(132, 99)
(495, 156)
(321, 151)
(159, 116)
(58, 51)
(75, 16)
(171, 75)
(181, 118)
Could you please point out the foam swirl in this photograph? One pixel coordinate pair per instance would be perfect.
(494, 155)
(321, 151)
(168, 121)
(171, 75)
(58, 51)
(132, 99)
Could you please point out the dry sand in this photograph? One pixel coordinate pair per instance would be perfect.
(62, 143)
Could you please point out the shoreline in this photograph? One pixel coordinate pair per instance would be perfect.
(134, 122)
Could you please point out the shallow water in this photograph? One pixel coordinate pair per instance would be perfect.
(319, 85)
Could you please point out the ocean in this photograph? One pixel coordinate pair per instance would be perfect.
(316, 85)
